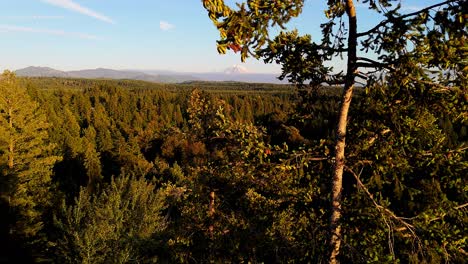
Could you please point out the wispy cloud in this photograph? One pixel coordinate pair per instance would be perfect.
(164, 25)
(70, 5)
(13, 28)
(39, 17)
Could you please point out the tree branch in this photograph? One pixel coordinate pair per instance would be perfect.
(444, 214)
(324, 48)
(362, 76)
(379, 64)
(369, 63)
(372, 30)
(442, 88)
(383, 210)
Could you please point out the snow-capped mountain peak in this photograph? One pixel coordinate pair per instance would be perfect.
(236, 69)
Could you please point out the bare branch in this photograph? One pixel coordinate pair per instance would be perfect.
(362, 75)
(318, 159)
(444, 214)
(324, 48)
(367, 59)
(385, 211)
(366, 65)
(369, 63)
(382, 133)
(401, 220)
(458, 150)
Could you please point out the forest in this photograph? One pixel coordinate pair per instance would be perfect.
(109, 171)
(366, 165)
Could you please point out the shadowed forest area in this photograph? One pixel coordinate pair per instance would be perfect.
(101, 171)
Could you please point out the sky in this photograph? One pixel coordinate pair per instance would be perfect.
(173, 35)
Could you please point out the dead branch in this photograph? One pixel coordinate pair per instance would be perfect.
(382, 133)
(444, 214)
(385, 211)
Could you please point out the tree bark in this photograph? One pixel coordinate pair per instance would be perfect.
(340, 140)
(211, 211)
(11, 144)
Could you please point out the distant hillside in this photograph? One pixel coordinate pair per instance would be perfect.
(102, 73)
(240, 77)
(236, 74)
(41, 72)
(105, 73)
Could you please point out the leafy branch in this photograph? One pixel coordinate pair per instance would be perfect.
(389, 20)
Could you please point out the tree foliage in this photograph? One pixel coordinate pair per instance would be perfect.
(116, 224)
(243, 176)
(26, 161)
(423, 52)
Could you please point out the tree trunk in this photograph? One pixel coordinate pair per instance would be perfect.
(211, 212)
(11, 147)
(340, 141)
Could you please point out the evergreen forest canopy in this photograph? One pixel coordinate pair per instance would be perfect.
(120, 171)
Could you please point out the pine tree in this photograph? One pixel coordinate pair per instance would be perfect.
(92, 161)
(118, 223)
(25, 160)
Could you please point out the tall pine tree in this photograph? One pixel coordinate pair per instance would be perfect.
(26, 162)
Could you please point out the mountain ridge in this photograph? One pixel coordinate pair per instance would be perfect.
(236, 73)
(37, 71)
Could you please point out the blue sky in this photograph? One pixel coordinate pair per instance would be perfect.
(132, 34)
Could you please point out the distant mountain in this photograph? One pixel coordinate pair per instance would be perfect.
(239, 73)
(236, 69)
(41, 72)
(239, 77)
(235, 73)
(132, 75)
(104, 74)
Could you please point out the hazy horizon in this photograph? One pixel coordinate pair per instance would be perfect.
(235, 73)
(145, 35)
(146, 70)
